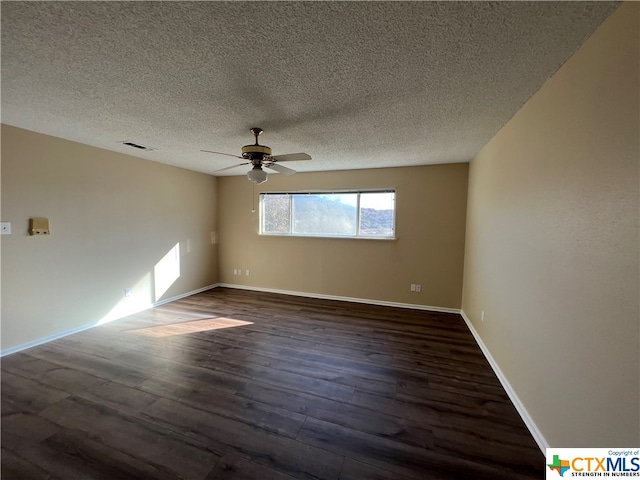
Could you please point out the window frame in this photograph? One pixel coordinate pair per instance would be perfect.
(357, 236)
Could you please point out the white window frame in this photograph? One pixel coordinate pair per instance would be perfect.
(358, 234)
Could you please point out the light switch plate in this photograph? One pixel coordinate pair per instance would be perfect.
(5, 228)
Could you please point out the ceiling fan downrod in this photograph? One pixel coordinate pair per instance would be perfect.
(256, 153)
(256, 131)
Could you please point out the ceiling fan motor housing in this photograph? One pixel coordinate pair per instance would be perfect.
(255, 152)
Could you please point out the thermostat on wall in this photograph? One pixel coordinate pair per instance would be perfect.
(39, 226)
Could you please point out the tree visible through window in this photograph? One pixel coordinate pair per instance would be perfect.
(329, 214)
(275, 211)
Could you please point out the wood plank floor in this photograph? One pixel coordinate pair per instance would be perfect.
(230, 384)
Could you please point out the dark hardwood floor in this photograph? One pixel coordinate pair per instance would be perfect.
(230, 384)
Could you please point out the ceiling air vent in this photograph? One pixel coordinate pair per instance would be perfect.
(138, 146)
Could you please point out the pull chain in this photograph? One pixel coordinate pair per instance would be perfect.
(253, 197)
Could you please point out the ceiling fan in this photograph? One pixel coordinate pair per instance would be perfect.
(260, 156)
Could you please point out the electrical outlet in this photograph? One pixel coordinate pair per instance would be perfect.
(246, 272)
(188, 245)
(413, 287)
(127, 292)
(482, 316)
(5, 228)
(418, 288)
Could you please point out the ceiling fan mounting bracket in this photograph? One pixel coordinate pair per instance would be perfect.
(256, 131)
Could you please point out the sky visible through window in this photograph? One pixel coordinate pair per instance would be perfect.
(377, 201)
(374, 200)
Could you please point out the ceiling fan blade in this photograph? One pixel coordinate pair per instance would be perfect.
(232, 166)
(220, 153)
(291, 157)
(280, 169)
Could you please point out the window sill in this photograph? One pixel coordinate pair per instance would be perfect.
(331, 237)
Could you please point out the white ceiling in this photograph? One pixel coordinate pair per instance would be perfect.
(354, 84)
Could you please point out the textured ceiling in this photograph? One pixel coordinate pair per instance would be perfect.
(354, 84)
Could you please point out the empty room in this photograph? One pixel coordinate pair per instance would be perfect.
(319, 240)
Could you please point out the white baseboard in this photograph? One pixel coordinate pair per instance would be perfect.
(47, 339)
(342, 299)
(183, 295)
(56, 336)
(526, 418)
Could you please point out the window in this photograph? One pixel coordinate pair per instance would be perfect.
(355, 214)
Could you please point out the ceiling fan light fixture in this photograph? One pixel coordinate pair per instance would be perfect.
(257, 175)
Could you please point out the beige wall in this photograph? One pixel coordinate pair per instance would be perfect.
(113, 219)
(552, 245)
(429, 250)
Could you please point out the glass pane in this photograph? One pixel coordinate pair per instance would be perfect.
(275, 214)
(325, 214)
(376, 214)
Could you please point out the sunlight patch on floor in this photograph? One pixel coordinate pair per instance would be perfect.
(184, 328)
